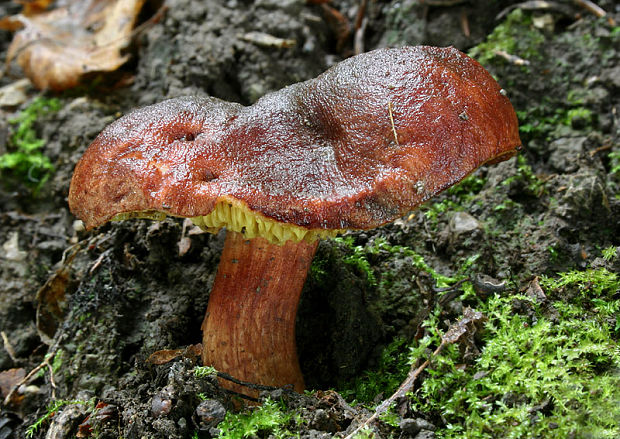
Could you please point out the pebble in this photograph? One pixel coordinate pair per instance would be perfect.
(462, 222)
(210, 413)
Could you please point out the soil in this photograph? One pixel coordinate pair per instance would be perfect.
(107, 299)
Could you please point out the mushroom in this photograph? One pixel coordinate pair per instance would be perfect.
(355, 148)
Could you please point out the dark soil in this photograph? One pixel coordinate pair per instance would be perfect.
(109, 298)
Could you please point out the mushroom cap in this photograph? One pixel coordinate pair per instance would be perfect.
(357, 147)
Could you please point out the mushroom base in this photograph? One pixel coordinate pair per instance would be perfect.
(249, 328)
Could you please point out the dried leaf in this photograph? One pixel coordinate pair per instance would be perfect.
(184, 244)
(535, 292)
(468, 325)
(11, 24)
(12, 252)
(33, 7)
(166, 355)
(14, 94)
(266, 40)
(51, 301)
(102, 413)
(9, 378)
(57, 48)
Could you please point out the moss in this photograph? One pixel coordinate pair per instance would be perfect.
(356, 258)
(532, 184)
(26, 161)
(610, 253)
(270, 419)
(552, 370)
(204, 371)
(52, 409)
(416, 259)
(533, 375)
(454, 198)
(392, 368)
(531, 378)
(515, 36)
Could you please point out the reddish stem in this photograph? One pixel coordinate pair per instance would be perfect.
(249, 328)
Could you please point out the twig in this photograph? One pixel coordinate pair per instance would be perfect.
(442, 2)
(360, 28)
(451, 287)
(456, 331)
(52, 381)
(535, 6)
(405, 387)
(599, 149)
(254, 386)
(392, 122)
(99, 260)
(33, 372)
(464, 20)
(8, 347)
(513, 59)
(594, 9)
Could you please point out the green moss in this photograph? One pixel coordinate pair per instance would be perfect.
(610, 253)
(534, 185)
(270, 419)
(457, 196)
(587, 283)
(57, 361)
(417, 260)
(51, 410)
(395, 360)
(547, 120)
(356, 258)
(318, 272)
(204, 371)
(614, 158)
(543, 374)
(515, 36)
(26, 161)
(533, 377)
(390, 372)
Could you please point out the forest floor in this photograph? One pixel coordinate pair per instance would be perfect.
(532, 244)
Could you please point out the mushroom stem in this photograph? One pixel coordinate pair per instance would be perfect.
(249, 328)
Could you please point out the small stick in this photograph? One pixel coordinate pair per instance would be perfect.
(405, 387)
(595, 9)
(465, 24)
(52, 381)
(599, 149)
(360, 27)
(98, 261)
(8, 347)
(454, 333)
(513, 59)
(33, 372)
(392, 122)
(254, 386)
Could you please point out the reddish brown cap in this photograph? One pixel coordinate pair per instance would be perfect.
(356, 147)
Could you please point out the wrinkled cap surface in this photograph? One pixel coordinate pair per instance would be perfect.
(358, 146)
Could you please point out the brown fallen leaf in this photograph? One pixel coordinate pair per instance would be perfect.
(57, 48)
(51, 299)
(102, 413)
(466, 326)
(166, 355)
(10, 377)
(33, 7)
